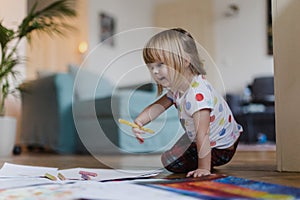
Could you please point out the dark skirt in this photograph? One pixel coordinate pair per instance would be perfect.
(183, 156)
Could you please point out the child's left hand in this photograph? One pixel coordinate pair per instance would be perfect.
(137, 132)
(198, 173)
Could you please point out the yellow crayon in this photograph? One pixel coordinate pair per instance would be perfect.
(51, 177)
(123, 121)
(61, 177)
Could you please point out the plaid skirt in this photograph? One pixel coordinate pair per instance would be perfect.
(183, 156)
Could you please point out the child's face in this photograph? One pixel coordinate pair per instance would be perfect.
(160, 73)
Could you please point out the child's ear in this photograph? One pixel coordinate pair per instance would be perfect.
(186, 60)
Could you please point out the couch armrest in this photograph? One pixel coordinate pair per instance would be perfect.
(47, 113)
(38, 113)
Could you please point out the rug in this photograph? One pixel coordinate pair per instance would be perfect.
(215, 187)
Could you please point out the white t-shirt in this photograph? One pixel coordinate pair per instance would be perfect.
(224, 130)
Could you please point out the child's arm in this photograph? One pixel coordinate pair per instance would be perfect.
(201, 121)
(150, 113)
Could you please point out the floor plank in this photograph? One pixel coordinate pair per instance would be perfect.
(255, 165)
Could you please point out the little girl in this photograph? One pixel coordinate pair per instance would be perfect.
(211, 132)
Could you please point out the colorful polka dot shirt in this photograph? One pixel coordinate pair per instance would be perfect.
(224, 130)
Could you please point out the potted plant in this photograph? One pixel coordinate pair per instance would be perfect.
(49, 20)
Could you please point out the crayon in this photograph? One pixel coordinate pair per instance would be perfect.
(51, 177)
(123, 121)
(88, 173)
(85, 177)
(141, 140)
(61, 177)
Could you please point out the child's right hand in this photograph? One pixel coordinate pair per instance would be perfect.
(137, 131)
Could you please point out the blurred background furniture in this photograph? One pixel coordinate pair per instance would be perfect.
(46, 113)
(58, 116)
(255, 110)
(125, 103)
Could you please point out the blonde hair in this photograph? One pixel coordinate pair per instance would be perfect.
(173, 47)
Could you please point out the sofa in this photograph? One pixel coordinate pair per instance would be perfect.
(76, 112)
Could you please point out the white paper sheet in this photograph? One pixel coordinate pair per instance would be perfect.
(10, 183)
(108, 174)
(25, 181)
(21, 171)
(92, 190)
(124, 191)
(13, 170)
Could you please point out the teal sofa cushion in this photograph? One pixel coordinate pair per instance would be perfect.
(89, 84)
(167, 126)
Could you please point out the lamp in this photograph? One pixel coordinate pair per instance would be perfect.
(82, 47)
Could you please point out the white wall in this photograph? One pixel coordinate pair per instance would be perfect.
(12, 12)
(125, 55)
(197, 17)
(241, 43)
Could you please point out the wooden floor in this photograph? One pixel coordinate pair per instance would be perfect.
(255, 165)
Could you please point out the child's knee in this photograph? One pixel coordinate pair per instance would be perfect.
(165, 159)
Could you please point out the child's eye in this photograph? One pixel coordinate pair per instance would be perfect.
(159, 64)
(150, 67)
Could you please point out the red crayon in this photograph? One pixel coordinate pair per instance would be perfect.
(88, 173)
(141, 140)
(85, 177)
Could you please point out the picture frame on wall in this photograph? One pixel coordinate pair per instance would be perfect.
(107, 28)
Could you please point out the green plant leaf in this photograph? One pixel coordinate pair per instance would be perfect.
(6, 35)
(48, 20)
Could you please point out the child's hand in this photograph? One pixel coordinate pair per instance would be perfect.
(198, 173)
(137, 132)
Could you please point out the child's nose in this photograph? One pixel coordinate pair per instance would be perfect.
(155, 70)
